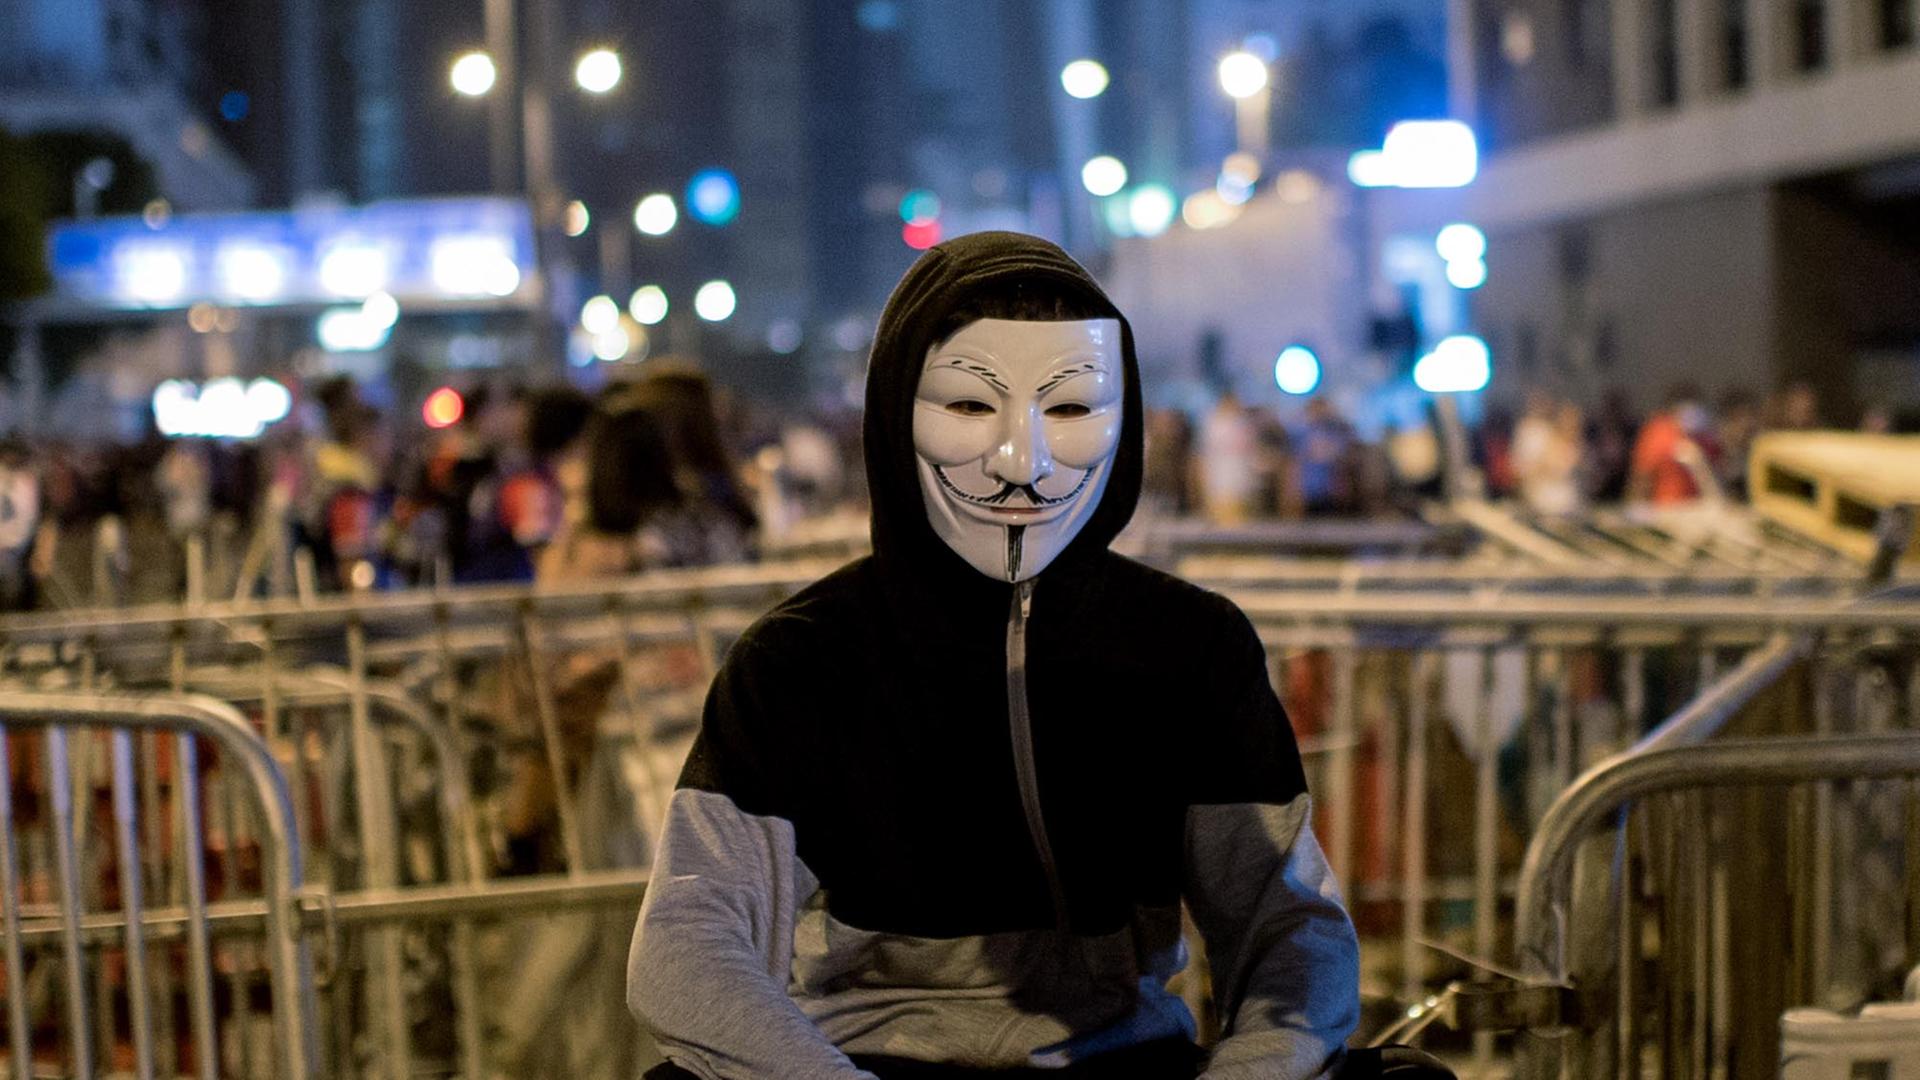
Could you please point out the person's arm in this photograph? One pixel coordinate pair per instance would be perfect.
(713, 950)
(1283, 954)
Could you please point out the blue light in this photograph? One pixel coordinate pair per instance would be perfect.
(1458, 365)
(1420, 154)
(234, 106)
(1461, 243)
(878, 16)
(464, 249)
(1297, 371)
(1467, 274)
(713, 197)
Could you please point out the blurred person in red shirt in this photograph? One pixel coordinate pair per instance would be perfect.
(1673, 456)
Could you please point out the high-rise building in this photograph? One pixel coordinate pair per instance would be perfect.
(125, 67)
(1726, 193)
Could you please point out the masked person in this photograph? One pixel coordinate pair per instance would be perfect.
(946, 802)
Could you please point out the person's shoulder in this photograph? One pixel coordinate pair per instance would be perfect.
(1148, 591)
(807, 623)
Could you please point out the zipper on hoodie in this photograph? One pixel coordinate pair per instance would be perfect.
(1020, 718)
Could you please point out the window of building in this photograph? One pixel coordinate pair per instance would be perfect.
(1810, 26)
(1526, 348)
(1575, 245)
(1663, 34)
(1896, 24)
(1584, 25)
(1733, 37)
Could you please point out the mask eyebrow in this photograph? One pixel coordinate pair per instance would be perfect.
(976, 368)
(1068, 372)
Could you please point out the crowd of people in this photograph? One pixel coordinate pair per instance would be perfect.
(1239, 462)
(530, 483)
(551, 483)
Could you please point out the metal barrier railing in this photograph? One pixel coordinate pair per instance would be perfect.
(123, 718)
(1399, 694)
(1706, 1040)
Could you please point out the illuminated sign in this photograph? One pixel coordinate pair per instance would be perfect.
(1420, 154)
(222, 409)
(427, 250)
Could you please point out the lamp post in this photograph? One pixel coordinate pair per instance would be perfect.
(1245, 78)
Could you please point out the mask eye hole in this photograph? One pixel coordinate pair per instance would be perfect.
(1070, 410)
(969, 407)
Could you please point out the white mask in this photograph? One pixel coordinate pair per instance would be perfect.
(1015, 425)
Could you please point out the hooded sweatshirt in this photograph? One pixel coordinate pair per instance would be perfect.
(933, 817)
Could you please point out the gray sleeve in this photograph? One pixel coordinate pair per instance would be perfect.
(714, 946)
(1285, 960)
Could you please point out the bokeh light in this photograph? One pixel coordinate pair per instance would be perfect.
(656, 214)
(443, 408)
(920, 235)
(579, 219)
(1297, 370)
(1461, 242)
(713, 197)
(919, 206)
(1104, 175)
(599, 315)
(1084, 79)
(1151, 209)
(1458, 365)
(1242, 74)
(715, 301)
(648, 305)
(597, 71)
(473, 74)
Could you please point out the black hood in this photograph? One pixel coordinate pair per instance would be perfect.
(947, 278)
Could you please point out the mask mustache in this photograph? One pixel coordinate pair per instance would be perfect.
(1008, 491)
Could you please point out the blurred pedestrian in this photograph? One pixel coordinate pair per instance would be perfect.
(1547, 455)
(716, 521)
(340, 521)
(1228, 462)
(19, 519)
(1794, 408)
(1166, 484)
(1610, 447)
(1493, 452)
(1326, 465)
(1739, 422)
(1671, 465)
(519, 506)
(567, 971)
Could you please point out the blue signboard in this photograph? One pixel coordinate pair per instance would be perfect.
(462, 249)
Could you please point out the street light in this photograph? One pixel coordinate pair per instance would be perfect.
(714, 302)
(473, 74)
(598, 71)
(1084, 79)
(656, 214)
(1242, 74)
(579, 218)
(1104, 175)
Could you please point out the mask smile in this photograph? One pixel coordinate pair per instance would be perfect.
(1018, 503)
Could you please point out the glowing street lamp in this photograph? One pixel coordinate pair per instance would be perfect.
(656, 214)
(1084, 79)
(597, 71)
(1104, 175)
(714, 302)
(473, 74)
(1242, 74)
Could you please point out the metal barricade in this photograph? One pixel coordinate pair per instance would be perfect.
(47, 902)
(1440, 720)
(1699, 1028)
